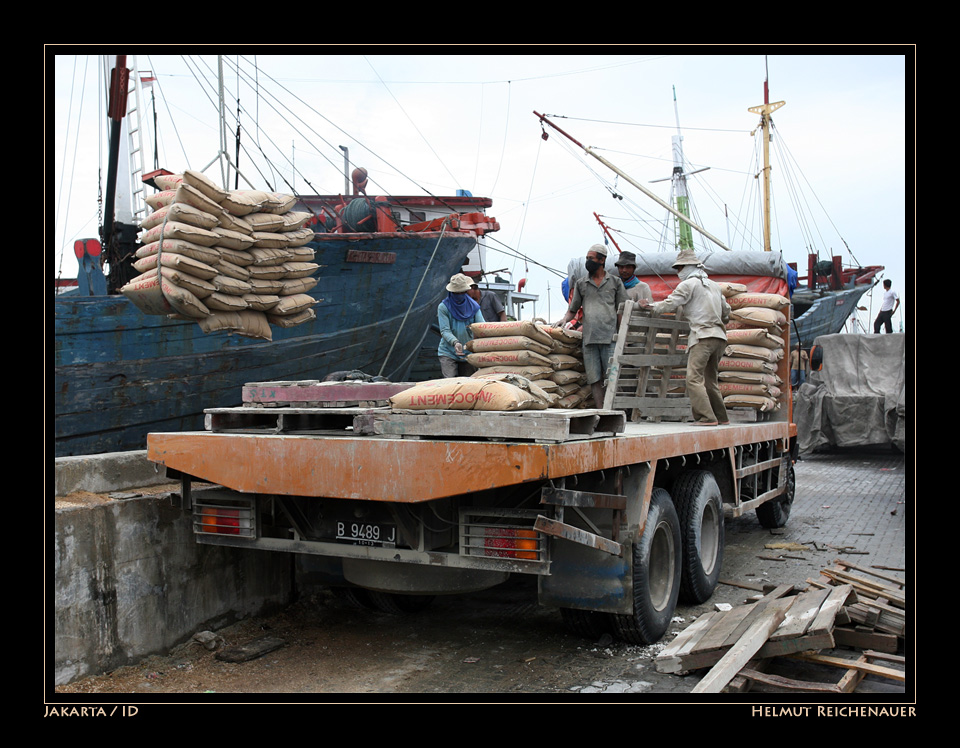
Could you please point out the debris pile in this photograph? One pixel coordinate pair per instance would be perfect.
(853, 607)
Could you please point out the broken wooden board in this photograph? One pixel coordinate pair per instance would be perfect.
(806, 624)
(550, 425)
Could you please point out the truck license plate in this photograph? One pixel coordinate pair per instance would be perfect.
(366, 533)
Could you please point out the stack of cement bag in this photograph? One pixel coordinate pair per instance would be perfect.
(230, 260)
(755, 346)
(549, 357)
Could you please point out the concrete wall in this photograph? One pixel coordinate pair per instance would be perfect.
(129, 578)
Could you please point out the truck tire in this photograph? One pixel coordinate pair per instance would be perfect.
(590, 624)
(700, 508)
(656, 574)
(776, 512)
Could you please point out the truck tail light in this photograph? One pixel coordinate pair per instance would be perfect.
(224, 513)
(502, 534)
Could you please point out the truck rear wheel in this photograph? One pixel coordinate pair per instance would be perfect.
(776, 512)
(656, 574)
(590, 624)
(700, 507)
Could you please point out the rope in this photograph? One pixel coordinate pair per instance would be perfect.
(443, 229)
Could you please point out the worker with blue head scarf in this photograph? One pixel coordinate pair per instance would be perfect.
(455, 314)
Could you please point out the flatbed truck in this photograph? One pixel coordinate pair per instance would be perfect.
(617, 517)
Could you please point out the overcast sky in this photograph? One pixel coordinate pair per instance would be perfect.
(421, 122)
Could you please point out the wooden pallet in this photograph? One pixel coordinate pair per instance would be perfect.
(647, 372)
(551, 425)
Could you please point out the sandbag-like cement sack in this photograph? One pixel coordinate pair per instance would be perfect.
(465, 393)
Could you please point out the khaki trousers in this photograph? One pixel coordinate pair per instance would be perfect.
(703, 389)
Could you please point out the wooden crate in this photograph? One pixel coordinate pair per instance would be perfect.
(647, 373)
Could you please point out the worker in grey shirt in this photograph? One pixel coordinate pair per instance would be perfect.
(600, 295)
(708, 313)
(490, 304)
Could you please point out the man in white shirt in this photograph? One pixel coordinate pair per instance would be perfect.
(708, 313)
(890, 304)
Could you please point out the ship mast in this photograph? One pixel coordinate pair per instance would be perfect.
(765, 110)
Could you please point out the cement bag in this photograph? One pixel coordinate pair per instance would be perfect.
(292, 320)
(763, 300)
(572, 400)
(227, 268)
(160, 199)
(277, 202)
(145, 293)
(197, 286)
(239, 257)
(749, 377)
(299, 269)
(224, 302)
(260, 302)
(264, 221)
(204, 185)
(295, 220)
(168, 181)
(758, 317)
(755, 336)
(533, 373)
(564, 336)
(250, 324)
(762, 390)
(178, 230)
(759, 403)
(465, 393)
(267, 272)
(511, 328)
(232, 239)
(209, 255)
(265, 286)
(568, 376)
(269, 239)
(269, 256)
(507, 343)
(507, 358)
(567, 350)
(569, 388)
(561, 362)
(290, 286)
(234, 223)
(244, 202)
(523, 383)
(192, 196)
(753, 351)
(731, 289)
(231, 286)
(747, 364)
(293, 304)
(181, 213)
(299, 237)
(178, 262)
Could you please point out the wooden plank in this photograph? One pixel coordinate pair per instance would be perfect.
(800, 615)
(865, 667)
(741, 653)
(828, 611)
(671, 659)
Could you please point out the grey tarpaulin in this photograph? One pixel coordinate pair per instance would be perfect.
(764, 264)
(857, 399)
